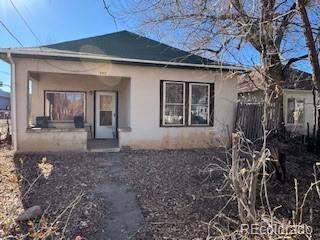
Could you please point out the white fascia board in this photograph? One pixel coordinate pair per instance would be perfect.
(69, 54)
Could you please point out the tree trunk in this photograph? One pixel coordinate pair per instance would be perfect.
(313, 55)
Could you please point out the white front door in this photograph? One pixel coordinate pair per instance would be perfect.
(106, 115)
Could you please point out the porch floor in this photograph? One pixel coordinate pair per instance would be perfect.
(103, 145)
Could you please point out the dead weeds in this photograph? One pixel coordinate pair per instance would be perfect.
(176, 197)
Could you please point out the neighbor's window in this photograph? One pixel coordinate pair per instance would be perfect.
(64, 106)
(295, 110)
(199, 104)
(173, 103)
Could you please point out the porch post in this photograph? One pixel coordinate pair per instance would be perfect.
(13, 106)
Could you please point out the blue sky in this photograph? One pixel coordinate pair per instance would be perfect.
(61, 20)
(52, 21)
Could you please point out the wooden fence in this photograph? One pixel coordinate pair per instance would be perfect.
(249, 116)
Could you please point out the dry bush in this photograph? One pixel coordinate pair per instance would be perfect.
(247, 173)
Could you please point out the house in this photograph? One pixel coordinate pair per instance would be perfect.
(128, 91)
(298, 99)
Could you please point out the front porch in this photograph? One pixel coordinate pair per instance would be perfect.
(101, 106)
(103, 145)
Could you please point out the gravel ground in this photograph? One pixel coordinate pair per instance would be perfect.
(176, 199)
(10, 199)
(175, 196)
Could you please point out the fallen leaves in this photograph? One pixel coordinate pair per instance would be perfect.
(45, 167)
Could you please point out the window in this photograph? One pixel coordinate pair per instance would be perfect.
(174, 108)
(295, 110)
(199, 104)
(186, 104)
(64, 106)
(106, 108)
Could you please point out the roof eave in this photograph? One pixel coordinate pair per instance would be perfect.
(18, 52)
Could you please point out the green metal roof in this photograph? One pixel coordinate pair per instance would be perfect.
(129, 45)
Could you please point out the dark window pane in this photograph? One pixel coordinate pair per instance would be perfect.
(64, 105)
(105, 118)
(199, 94)
(199, 114)
(290, 111)
(173, 114)
(174, 93)
(299, 113)
(295, 111)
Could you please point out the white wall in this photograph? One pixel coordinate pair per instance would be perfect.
(309, 110)
(144, 104)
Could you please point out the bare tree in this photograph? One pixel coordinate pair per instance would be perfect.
(272, 30)
(230, 29)
(311, 39)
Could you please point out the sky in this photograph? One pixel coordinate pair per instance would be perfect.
(52, 21)
(61, 20)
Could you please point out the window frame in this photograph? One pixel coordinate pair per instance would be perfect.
(164, 104)
(190, 104)
(66, 91)
(304, 110)
(186, 112)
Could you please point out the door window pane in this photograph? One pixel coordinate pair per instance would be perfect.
(105, 103)
(105, 118)
(64, 106)
(105, 110)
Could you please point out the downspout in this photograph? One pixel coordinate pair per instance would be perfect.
(13, 106)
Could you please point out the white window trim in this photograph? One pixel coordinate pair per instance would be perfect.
(178, 104)
(304, 111)
(66, 121)
(190, 104)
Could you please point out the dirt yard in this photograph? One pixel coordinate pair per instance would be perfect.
(167, 188)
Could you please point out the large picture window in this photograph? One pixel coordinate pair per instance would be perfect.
(199, 104)
(295, 110)
(64, 106)
(186, 104)
(174, 95)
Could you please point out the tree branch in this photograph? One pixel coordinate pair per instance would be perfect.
(107, 8)
(284, 25)
(293, 60)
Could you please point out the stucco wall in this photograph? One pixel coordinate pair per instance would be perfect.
(143, 104)
(308, 109)
(54, 140)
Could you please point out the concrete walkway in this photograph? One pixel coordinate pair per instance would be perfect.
(125, 217)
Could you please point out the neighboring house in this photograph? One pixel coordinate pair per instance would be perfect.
(298, 101)
(131, 92)
(4, 100)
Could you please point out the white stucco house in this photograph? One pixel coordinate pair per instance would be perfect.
(299, 99)
(119, 90)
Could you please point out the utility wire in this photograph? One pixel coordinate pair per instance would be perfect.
(11, 33)
(25, 21)
(38, 39)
